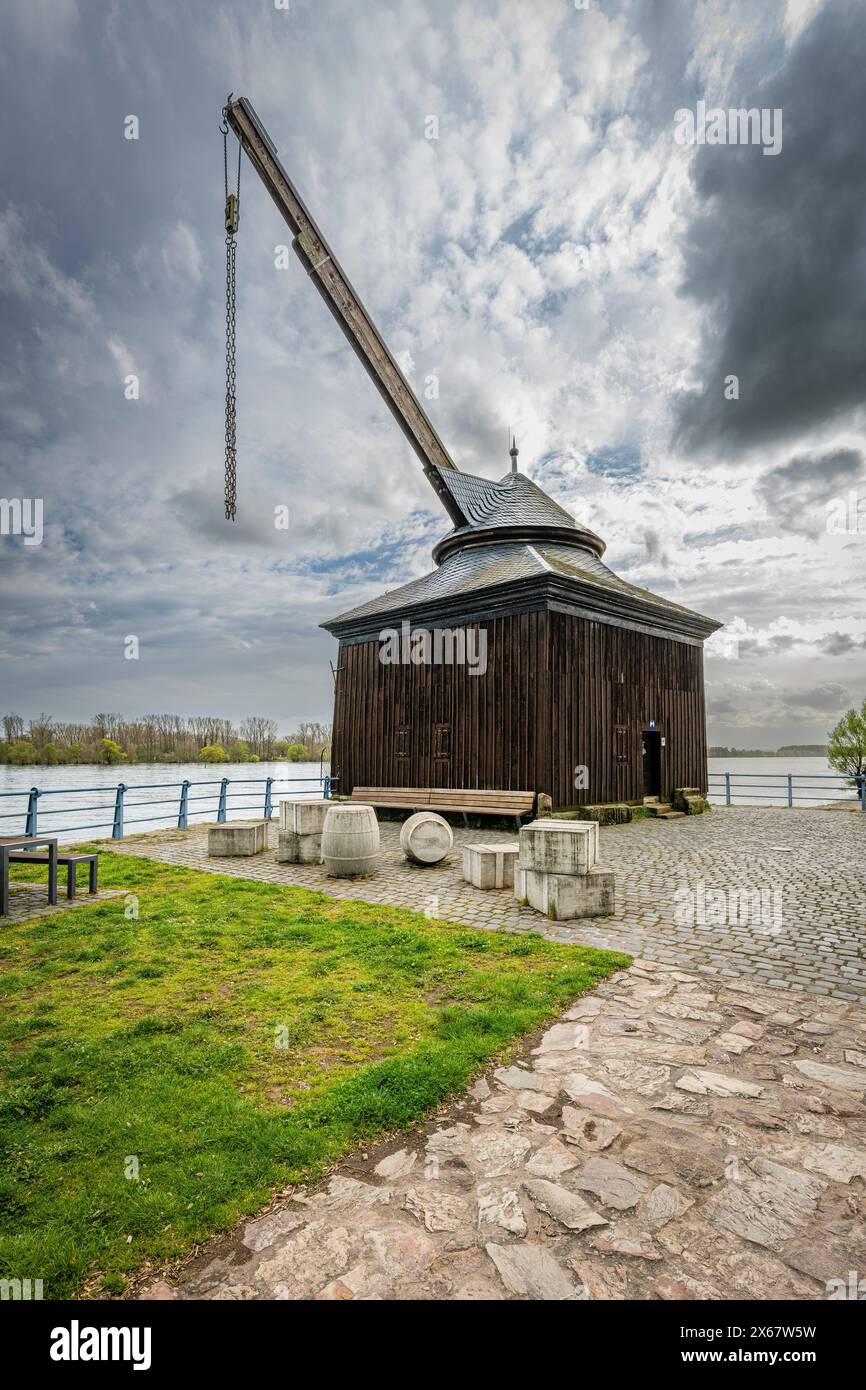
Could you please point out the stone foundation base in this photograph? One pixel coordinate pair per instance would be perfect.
(696, 806)
(607, 813)
(563, 896)
(295, 848)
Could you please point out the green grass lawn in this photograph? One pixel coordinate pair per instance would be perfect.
(233, 1038)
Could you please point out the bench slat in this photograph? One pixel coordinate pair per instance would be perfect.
(485, 800)
(388, 798)
(506, 803)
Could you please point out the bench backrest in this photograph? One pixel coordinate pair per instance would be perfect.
(509, 803)
(506, 803)
(393, 796)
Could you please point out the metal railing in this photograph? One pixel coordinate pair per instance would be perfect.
(187, 804)
(784, 787)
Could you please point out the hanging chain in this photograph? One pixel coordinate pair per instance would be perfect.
(231, 410)
(232, 217)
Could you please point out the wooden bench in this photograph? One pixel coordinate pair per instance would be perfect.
(71, 860)
(466, 802)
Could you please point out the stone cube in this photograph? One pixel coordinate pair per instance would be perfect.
(295, 848)
(564, 896)
(241, 838)
(490, 866)
(559, 846)
(303, 816)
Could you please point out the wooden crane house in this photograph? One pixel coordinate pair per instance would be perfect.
(521, 661)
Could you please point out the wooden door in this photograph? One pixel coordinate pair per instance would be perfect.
(652, 762)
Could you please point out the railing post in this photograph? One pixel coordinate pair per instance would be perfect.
(183, 810)
(727, 789)
(327, 789)
(269, 808)
(117, 827)
(862, 781)
(790, 789)
(31, 827)
(221, 810)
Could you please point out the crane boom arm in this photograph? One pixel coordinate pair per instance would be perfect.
(335, 288)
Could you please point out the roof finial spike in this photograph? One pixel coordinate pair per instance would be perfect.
(513, 452)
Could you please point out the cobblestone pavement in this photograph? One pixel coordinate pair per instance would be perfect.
(28, 900)
(805, 931)
(672, 1137)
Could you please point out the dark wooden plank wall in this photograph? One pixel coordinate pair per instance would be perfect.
(555, 690)
(608, 677)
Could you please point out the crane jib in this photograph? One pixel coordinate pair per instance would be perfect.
(336, 289)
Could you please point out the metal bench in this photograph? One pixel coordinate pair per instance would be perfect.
(71, 860)
(466, 802)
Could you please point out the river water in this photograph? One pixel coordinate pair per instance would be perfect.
(764, 781)
(150, 807)
(754, 782)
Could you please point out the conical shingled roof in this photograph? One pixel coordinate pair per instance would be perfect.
(515, 504)
(514, 549)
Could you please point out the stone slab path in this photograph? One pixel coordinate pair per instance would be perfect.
(28, 900)
(674, 1136)
(809, 865)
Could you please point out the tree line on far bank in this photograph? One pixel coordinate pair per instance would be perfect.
(157, 738)
(173, 738)
(790, 750)
(846, 751)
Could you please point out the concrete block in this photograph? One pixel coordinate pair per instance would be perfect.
(293, 848)
(490, 866)
(559, 846)
(241, 838)
(564, 896)
(302, 815)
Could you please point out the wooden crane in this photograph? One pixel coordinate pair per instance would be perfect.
(582, 669)
(336, 289)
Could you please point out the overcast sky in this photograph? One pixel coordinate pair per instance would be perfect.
(558, 260)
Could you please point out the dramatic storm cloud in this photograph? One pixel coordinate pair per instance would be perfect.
(776, 249)
(553, 257)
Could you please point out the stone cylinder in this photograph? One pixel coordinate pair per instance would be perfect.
(350, 840)
(425, 838)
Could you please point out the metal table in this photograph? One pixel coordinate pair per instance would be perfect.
(16, 842)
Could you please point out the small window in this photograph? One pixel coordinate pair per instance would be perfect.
(442, 741)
